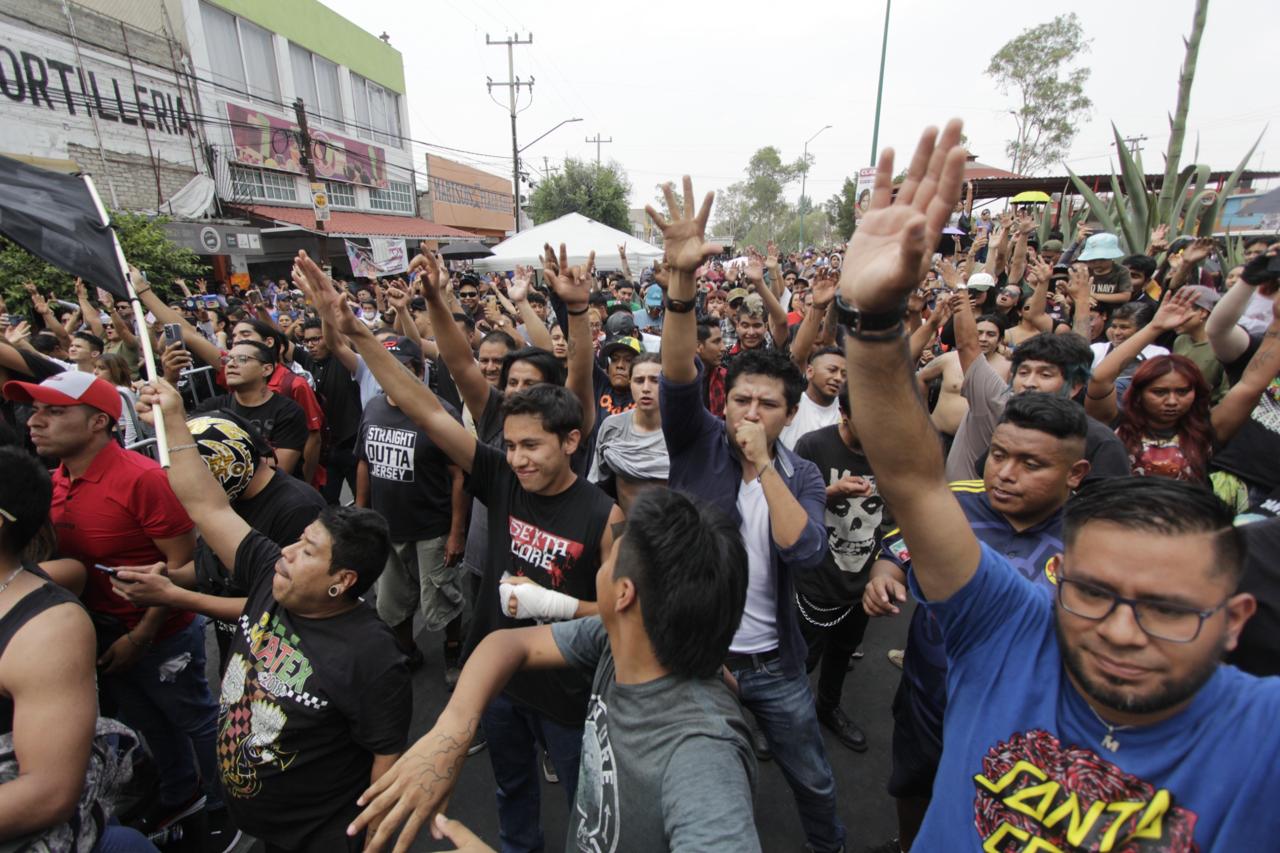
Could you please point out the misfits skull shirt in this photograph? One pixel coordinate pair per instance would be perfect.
(1026, 765)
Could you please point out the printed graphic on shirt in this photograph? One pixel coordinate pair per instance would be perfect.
(533, 547)
(597, 799)
(390, 453)
(251, 715)
(1035, 794)
(852, 524)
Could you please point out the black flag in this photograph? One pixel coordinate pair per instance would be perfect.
(55, 217)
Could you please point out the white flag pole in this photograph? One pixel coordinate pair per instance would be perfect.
(140, 324)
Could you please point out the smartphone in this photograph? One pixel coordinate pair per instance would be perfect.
(108, 569)
(173, 335)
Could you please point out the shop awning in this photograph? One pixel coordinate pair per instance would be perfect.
(346, 223)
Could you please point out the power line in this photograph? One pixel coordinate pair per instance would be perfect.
(598, 142)
(512, 85)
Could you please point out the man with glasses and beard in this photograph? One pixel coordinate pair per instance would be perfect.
(1098, 717)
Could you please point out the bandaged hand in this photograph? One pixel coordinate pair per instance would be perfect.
(535, 602)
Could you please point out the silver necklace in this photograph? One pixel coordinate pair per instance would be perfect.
(1108, 740)
(9, 580)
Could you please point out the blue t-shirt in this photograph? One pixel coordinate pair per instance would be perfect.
(1024, 759)
(924, 666)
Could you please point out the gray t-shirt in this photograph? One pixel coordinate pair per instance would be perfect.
(621, 449)
(666, 765)
(988, 394)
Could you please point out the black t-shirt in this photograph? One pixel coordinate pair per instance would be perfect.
(854, 525)
(281, 511)
(555, 541)
(441, 383)
(1259, 648)
(340, 396)
(1253, 453)
(280, 420)
(409, 480)
(305, 705)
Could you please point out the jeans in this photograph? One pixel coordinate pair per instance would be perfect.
(340, 468)
(833, 645)
(165, 697)
(783, 706)
(515, 736)
(122, 839)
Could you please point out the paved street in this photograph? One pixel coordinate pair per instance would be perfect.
(860, 778)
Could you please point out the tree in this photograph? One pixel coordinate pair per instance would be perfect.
(597, 192)
(840, 208)
(767, 178)
(1051, 99)
(145, 245)
(730, 211)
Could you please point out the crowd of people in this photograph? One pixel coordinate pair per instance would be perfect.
(650, 514)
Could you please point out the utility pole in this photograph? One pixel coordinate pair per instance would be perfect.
(304, 150)
(1134, 144)
(884, 48)
(598, 142)
(513, 84)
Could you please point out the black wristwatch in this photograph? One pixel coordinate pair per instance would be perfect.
(866, 326)
(679, 306)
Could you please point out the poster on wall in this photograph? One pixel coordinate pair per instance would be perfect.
(261, 139)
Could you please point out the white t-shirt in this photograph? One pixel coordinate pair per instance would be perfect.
(758, 631)
(1257, 314)
(809, 416)
(1101, 349)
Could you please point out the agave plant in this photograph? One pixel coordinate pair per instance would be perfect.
(1068, 219)
(1184, 203)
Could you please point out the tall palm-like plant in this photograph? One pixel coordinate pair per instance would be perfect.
(1184, 203)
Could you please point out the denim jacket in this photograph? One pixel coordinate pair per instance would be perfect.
(705, 466)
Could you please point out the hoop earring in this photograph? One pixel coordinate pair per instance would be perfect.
(335, 591)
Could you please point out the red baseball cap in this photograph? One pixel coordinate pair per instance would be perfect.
(69, 388)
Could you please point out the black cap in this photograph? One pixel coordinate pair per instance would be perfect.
(404, 349)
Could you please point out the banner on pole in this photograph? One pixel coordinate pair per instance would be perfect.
(862, 196)
(383, 256)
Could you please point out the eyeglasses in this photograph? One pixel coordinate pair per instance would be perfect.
(1159, 619)
(310, 341)
(240, 359)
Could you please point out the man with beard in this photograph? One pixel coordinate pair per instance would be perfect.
(1093, 717)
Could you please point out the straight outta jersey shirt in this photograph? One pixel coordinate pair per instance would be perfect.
(409, 480)
(555, 541)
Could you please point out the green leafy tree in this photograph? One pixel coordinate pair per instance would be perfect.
(767, 179)
(597, 192)
(145, 245)
(840, 208)
(730, 211)
(1036, 65)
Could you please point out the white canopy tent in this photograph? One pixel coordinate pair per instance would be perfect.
(580, 236)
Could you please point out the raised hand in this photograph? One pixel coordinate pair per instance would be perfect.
(518, 289)
(1040, 272)
(398, 295)
(159, 393)
(622, 251)
(823, 290)
(755, 270)
(1200, 248)
(1079, 283)
(320, 292)
(1175, 309)
(1159, 239)
(435, 277)
(888, 255)
(684, 235)
(17, 333)
(949, 274)
(771, 259)
(571, 284)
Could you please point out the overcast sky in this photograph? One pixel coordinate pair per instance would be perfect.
(697, 86)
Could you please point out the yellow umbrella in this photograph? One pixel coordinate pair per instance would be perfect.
(1032, 197)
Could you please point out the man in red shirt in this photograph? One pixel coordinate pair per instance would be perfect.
(112, 507)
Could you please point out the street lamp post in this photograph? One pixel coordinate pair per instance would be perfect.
(884, 46)
(804, 181)
(515, 165)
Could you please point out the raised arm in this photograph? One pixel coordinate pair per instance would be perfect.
(1238, 404)
(1018, 263)
(965, 326)
(1078, 285)
(685, 249)
(774, 269)
(46, 314)
(87, 311)
(925, 332)
(622, 262)
(778, 328)
(189, 477)
(411, 395)
(822, 294)
(539, 334)
(199, 345)
(454, 347)
(885, 261)
(573, 286)
(1227, 337)
(419, 784)
(1100, 397)
(1040, 275)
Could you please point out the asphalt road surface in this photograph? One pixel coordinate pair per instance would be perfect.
(865, 808)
